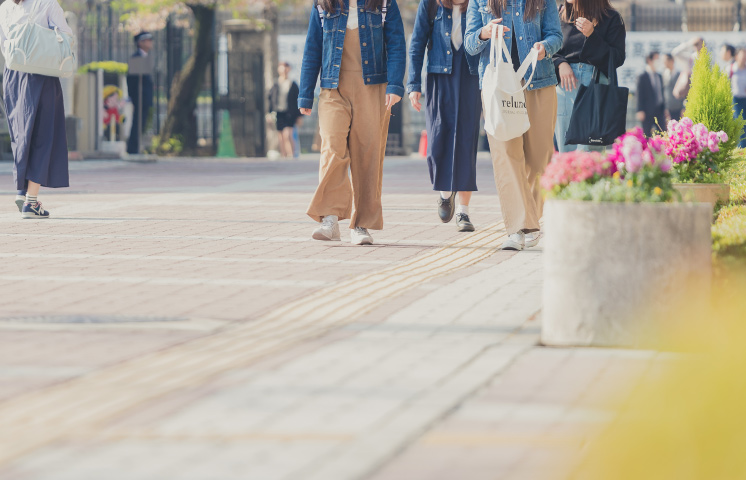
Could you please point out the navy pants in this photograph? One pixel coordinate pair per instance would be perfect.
(454, 111)
(36, 119)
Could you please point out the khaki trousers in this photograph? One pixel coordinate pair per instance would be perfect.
(353, 123)
(519, 163)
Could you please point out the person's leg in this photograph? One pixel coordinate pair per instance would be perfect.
(367, 143)
(333, 196)
(565, 105)
(280, 143)
(134, 137)
(464, 198)
(541, 105)
(287, 136)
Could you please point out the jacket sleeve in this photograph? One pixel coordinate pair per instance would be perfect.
(472, 43)
(417, 46)
(551, 31)
(311, 66)
(683, 52)
(597, 48)
(396, 50)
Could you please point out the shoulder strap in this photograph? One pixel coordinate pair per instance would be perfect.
(384, 10)
(432, 10)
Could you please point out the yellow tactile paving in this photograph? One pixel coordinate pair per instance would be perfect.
(81, 406)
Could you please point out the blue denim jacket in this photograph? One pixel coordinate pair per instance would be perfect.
(440, 57)
(383, 50)
(544, 28)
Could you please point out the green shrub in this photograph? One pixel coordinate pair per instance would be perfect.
(710, 102)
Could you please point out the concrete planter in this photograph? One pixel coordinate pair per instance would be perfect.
(711, 193)
(614, 272)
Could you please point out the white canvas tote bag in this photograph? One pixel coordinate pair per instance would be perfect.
(33, 48)
(505, 113)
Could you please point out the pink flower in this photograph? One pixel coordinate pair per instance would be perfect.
(686, 122)
(723, 137)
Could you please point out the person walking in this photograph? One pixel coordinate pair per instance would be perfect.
(671, 76)
(141, 99)
(361, 55)
(36, 112)
(518, 163)
(738, 85)
(453, 106)
(593, 32)
(651, 100)
(728, 55)
(283, 105)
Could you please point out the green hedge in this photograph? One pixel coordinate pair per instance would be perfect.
(729, 232)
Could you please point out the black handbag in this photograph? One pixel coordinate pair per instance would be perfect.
(599, 115)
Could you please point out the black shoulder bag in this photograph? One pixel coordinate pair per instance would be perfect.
(599, 115)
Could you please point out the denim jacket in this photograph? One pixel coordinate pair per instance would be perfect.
(544, 28)
(383, 50)
(440, 56)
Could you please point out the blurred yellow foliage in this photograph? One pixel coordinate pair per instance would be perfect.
(687, 421)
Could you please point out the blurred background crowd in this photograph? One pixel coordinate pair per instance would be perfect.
(221, 70)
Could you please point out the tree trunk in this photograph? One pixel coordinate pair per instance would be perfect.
(181, 122)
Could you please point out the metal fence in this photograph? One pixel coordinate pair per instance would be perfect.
(102, 37)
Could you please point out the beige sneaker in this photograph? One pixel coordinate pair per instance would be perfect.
(360, 236)
(328, 230)
(533, 239)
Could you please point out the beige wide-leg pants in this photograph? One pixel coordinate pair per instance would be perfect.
(519, 163)
(354, 124)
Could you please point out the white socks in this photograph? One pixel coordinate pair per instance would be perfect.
(445, 195)
(464, 209)
(31, 200)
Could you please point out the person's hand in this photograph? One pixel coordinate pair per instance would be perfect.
(414, 99)
(585, 26)
(567, 77)
(486, 32)
(542, 51)
(305, 111)
(391, 100)
(640, 116)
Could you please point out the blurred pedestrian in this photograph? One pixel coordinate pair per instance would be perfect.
(519, 162)
(738, 84)
(593, 32)
(728, 55)
(651, 100)
(670, 78)
(283, 105)
(453, 104)
(36, 112)
(360, 51)
(142, 99)
(687, 52)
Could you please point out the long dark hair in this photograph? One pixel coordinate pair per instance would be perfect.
(593, 10)
(332, 5)
(17, 2)
(449, 4)
(532, 9)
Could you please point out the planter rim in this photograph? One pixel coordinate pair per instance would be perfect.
(701, 185)
(630, 204)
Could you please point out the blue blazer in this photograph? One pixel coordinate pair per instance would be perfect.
(437, 37)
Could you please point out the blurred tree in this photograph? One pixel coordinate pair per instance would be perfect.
(152, 15)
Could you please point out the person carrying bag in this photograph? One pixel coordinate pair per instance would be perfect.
(520, 127)
(29, 37)
(599, 115)
(506, 115)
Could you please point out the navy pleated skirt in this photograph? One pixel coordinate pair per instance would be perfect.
(454, 111)
(36, 118)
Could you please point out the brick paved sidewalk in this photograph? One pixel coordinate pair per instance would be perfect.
(174, 321)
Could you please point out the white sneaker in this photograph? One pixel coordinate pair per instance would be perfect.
(515, 241)
(360, 236)
(329, 229)
(533, 239)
